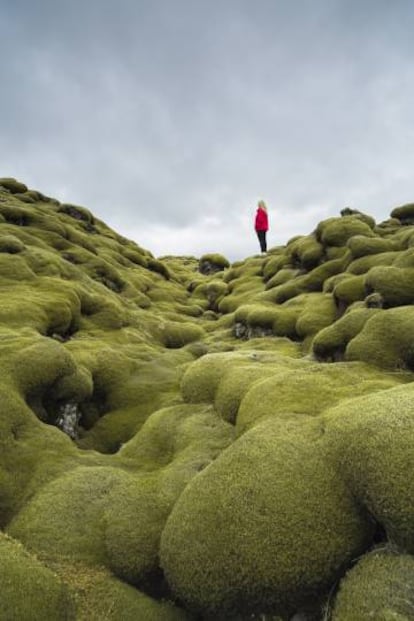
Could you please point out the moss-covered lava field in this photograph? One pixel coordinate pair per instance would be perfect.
(187, 440)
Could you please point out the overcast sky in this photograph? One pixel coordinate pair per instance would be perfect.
(170, 119)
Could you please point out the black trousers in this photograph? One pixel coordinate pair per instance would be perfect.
(262, 240)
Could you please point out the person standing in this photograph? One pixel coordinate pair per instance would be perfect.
(261, 224)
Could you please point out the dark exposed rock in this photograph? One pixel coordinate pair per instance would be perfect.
(68, 418)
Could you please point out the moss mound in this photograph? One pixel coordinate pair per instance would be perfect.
(372, 443)
(394, 284)
(99, 596)
(330, 344)
(66, 518)
(385, 340)
(404, 213)
(30, 591)
(11, 244)
(211, 263)
(13, 186)
(220, 550)
(337, 231)
(306, 390)
(379, 587)
(181, 409)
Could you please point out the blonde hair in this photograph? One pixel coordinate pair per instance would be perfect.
(262, 205)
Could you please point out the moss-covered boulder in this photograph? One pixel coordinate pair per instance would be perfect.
(220, 549)
(380, 587)
(173, 446)
(13, 186)
(349, 290)
(371, 441)
(362, 265)
(331, 342)
(404, 213)
(212, 263)
(305, 252)
(361, 246)
(337, 231)
(177, 334)
(11, 244)
(28, 589)
(299, 390)
(66, 518)
(201, 379)
(394, 284)
(100, 596)
(386, 339)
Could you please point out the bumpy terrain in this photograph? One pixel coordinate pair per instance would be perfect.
(183, 439)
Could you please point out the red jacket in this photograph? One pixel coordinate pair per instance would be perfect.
(261, 222)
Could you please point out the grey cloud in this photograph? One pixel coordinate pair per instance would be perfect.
(154, 114)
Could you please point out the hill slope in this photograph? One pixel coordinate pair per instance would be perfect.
(184, 439)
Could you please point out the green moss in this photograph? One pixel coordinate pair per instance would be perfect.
(13, 267)
(287, 290)
(158, 266)
(282, 276)
(57, 376)
(268, 319)
(126, 392)
(175, 335)
(35, 195)
(336, 252)
(404, 213)
(305, 252)
(388, 227)
(220, 549)
(101, 597)
(348, 211)
(378, 587)
(364, 264)
(45, 263)
(331, 342)
(65, 519)
(349, 290)
(247, 286)
(25, 197)
(87, 324)
(361, 246)
(386, 339)
(305, 389)
(272, 265)
(201, 379)
(337, 231)
(30, 591)
(9, 183)
(175, 444)
(231, 302)
(405, 258)
(237, 381)
(394, 284)
(314, 281)
(371, 442)
(256, 315)
(77, 212)
(319, 311)
(217, 260)
(331, 282)
(211, 291)
(11, 244)
(191, 310)
(81, 239)
(135, 257)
